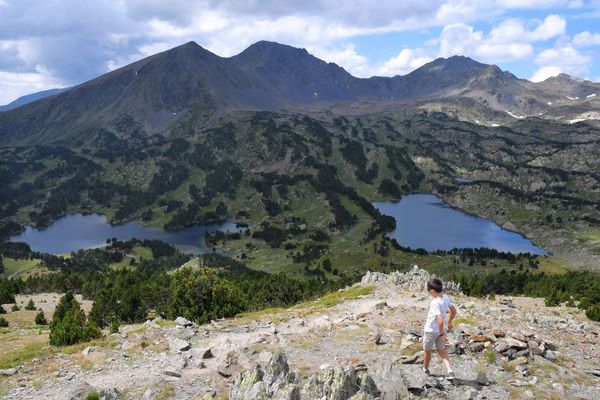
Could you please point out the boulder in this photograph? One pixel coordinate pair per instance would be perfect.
(375, 338)
(482, 379)
(515, 343)
(519, 336)
(415, 379)
(476, 346)
(469, 330)
(203, 352)
(277, 382)
(390, 382)
(10, 371)
(184, 323)
(109, 394)
(88, 350)
(176, 344)
(499, 333)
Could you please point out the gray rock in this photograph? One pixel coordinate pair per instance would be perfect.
(80, 391)
(522, 369)
(375, 338)
(595, 372)
(203, 353)
(415, 379)
(149, 394)
(515, 343)
(550, 355)
(185, 323)
(172, 371)
(176, 344)
(10, 371)
(88, 350)
(390, 382)
(469, 330)
(482, 379)
(109, 394)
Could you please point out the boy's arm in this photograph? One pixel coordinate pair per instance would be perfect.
(453, 313)
(440, 322)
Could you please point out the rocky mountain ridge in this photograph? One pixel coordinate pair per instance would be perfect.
(365, 346)
(183, 91)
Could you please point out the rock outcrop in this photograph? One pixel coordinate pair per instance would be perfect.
(414, 280)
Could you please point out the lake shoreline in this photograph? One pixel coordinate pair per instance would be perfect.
(85, 231)
(455, 228)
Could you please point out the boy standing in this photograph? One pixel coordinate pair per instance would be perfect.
(437, 325)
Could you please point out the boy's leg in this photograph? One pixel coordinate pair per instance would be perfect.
(444, 354)
(426, 358)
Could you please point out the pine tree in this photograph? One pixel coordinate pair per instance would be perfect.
(69, 325)
(40, 318)
(30, 306)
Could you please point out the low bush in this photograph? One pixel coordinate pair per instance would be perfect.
(69, 324)
(40, 318)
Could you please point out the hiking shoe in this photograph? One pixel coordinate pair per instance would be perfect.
(450, 376)
(426, 371)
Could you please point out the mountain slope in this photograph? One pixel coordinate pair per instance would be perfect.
(187, 88)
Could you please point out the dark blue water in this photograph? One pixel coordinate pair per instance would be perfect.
(75, 232)
(426, 221)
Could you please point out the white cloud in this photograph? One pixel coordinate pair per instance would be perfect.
(508, 41)
(564, 59)
(347, 57)
(586, 39)
(552, 26)
(544, 73)
(406, 61)
(16, 84)
(458, 39)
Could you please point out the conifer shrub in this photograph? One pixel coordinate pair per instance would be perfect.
(3, 322)
(30, 306)
(69, 324)
(40, 318)
(593, 312)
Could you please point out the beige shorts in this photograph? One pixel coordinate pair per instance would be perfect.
(431, 340)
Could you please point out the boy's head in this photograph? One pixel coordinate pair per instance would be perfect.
(435, 286)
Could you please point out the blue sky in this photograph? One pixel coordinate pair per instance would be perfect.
(57, 43)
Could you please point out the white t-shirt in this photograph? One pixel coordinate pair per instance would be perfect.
(438, 306)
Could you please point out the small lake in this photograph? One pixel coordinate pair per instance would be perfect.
(426, 221)
(77, 231)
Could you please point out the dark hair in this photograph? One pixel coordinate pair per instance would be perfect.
(435, 284)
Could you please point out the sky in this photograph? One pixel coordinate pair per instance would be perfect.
(58, 43)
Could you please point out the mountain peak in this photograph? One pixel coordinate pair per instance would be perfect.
(457, 62)
(562, 77)
(262, 51)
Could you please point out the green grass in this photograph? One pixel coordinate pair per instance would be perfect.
(137, 253)
(335, 298)
(38, 348)
(24, 354)
(14, 268)
(464, 320)
(166, 323)
(490, 356)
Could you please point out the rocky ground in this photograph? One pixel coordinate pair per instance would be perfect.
(359, 343)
